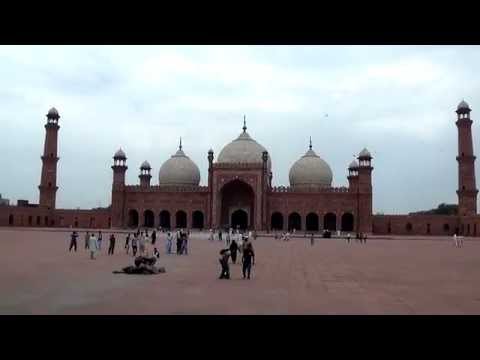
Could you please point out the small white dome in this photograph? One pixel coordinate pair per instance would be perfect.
(120, 154)
(145, 166)
(353, 165)
(310, 170)
(243, 149)
(53, 113)
(364, 154)
(179, 170)
(463, 106)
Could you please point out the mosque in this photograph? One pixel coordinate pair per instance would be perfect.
(240, 194)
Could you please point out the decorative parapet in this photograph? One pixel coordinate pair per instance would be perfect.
(237, 165)
(289, 189)
(166, 188)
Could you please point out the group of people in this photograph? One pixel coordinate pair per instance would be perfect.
(92, 243)
(457, 241)
(361, 238)
(248, 257)
(230, 235)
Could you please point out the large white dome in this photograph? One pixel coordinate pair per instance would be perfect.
(310, 171)
(243, 149)
(179, 170)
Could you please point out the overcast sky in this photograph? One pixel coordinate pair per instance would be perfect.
(398, 101)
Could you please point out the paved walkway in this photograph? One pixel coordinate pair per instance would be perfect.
(395, 276)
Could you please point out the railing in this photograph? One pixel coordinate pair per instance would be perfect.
(166, 188)
(290, 189)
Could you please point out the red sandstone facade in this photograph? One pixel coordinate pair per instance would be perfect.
(242, 194)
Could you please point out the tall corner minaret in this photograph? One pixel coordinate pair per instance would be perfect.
(364, 190)
(119, 168)
(48, 181)
(467, 189)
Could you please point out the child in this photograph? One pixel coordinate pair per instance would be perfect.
(224, 255)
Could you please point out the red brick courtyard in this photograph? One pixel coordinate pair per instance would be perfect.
(386, 276)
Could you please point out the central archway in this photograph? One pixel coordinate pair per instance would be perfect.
(237, 198)
(239, 219)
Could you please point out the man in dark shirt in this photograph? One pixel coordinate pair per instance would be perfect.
(112, 245)
(224, 255)
(248, 259)
(73, 241)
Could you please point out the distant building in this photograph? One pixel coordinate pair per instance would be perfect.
(4, 202)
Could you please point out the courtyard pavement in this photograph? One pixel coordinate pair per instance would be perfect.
(395, 275)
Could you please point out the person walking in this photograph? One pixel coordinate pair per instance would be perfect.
(228, 237)
(220, 235)
(233, 251)
(210, 236)
(311, 240)
(248, 259)
(455, 240)
(348, 238)
(169, 242)
(154, 238)
(224, 255)
(73, 241)
(99, 240)
(134, 244)
(87, 239)
(111, 246)
(179, 237)
(92, 246)
(364, 238)
(127, 243)
(185, 243)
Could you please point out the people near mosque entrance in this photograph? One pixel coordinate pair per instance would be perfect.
(312, 239)
(248, 259)
(169, 242)
(73, 241)
(127, 243)
(220, 235)
(87, 239)
(99, 240)
(233, 251)
(224, 255)
(294, 231)
(135, 244)
(348, 238)
(111, 246)
(210, 236)
(92, 246)
(364, 238)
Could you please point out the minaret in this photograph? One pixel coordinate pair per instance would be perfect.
(210, 188)
(364, 191)
(145, 175)
(467, 190)
(48, 181)
(118, 188)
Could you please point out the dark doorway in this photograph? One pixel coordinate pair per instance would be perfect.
(330, 222)
(38, 220)
(10, 220)
(46, 220)
(30, 221)
(311, 222)
(181, 219)
(148, 219)
(277, 221)
(132, 218)
(237, 195)
(347, 222)
(294, 221)
(239, 219)
(197, 220)
(165, 219)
